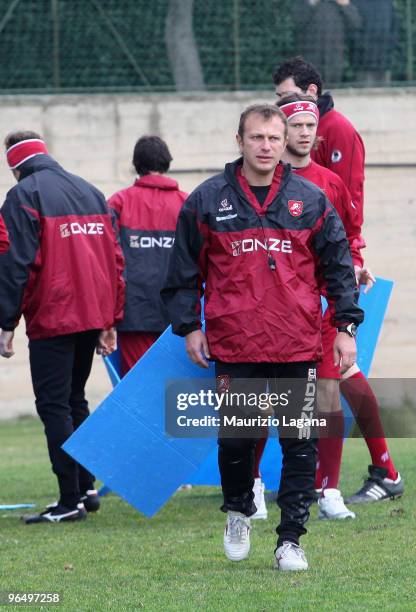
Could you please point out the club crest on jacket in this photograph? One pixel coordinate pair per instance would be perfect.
(295, 207)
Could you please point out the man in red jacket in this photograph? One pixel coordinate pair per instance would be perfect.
(63, 272)
(146, 214)
(266, 243)
(303, 117)
(341, 149)
(340, 146)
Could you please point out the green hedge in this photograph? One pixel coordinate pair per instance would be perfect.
(79, 49)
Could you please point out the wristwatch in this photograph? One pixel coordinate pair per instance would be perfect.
(350, 329)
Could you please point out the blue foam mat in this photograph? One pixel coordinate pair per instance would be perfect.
(374, 303)
(123, 441)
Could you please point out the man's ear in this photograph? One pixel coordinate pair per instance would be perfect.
(239, 142)
(16, 174)
(312, 90)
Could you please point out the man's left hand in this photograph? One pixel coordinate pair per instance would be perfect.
(6, 344)
(345, 351)
(363, 276)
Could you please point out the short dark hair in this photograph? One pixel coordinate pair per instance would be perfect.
(151, 154)
(267, 111)
(301, 71)
(19, 136)
(295, 98)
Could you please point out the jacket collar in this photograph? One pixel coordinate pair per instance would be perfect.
(158, 181)
(325, 103)
(232, 172)
(34, 164)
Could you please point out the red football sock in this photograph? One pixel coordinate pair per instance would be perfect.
(330, 450)
(258, 454)
(364, 406)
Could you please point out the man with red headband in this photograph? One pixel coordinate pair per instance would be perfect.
(303, 118)
(341, 149)
(266, 243)
(339, 146)
(63, 273)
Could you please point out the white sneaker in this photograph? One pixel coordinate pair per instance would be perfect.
(237, 536)
(332, 507)
(259, 500)
(184, 487)
(290, 557)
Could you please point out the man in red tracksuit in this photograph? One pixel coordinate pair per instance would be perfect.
(341, 149)
(146, 214)
(303, 117)
(266, 243)
(63, 273)
(303, 120)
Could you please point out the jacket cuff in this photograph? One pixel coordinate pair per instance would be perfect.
(184, 330)
(344, 323)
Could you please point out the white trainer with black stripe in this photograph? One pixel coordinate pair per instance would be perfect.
(290, 557)
(237, 536)
(259, 501)
(332, 507)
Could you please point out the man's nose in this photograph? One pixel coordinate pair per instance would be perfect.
(266, 144)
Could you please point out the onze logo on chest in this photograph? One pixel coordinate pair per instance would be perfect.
(249, 245)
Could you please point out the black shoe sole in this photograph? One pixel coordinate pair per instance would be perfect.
(372, 501)
(33, 520)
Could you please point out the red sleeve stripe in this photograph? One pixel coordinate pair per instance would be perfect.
(32, 211)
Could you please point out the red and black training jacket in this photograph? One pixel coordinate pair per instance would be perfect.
(147, 213)
(4, 237)
(252, 312)
(63, 270)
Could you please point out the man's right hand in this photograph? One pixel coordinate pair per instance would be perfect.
(197, 348)
(6, 344)
(107, 342)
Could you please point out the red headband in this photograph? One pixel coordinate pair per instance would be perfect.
(296, 108)
(22, 151)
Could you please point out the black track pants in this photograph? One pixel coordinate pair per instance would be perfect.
(236, 454)
(60, 367)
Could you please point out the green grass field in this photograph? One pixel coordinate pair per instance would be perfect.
(119, 560)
